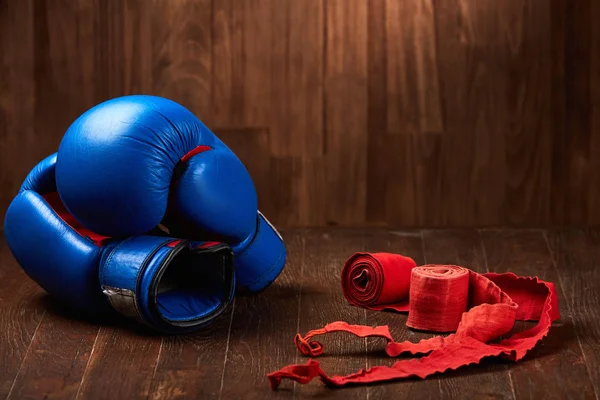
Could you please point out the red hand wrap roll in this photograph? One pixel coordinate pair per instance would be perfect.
(370, 280)
(438, 297)
(479, 308)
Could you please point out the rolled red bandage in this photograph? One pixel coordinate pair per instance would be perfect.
(377, 281)
(480, 308)
(438, 296)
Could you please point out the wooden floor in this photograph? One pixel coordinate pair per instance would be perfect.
(48, 352)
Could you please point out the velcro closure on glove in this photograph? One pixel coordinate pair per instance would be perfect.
(170, 285)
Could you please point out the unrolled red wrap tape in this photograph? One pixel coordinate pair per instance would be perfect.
(480, 308)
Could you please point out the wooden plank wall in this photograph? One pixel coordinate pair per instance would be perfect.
(438, 113)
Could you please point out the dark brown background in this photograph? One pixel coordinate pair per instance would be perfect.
(352, 112)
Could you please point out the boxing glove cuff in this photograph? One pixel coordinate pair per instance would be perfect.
(170, 285)
(260, 258)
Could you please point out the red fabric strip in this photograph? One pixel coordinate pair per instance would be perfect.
(480, 309)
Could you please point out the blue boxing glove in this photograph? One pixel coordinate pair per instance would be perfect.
(171, 285)
(133, 163)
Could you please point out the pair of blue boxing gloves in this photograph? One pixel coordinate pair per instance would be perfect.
(145, 212)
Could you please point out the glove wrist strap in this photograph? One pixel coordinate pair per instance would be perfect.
(170, 285)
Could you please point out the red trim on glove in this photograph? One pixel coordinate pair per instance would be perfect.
(480, 308)
(54, 201)
(207, 244)
(193, 152)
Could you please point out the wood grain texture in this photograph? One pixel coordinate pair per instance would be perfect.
(58, 355)
(313, 185)
(20, 317)
(297, 189)
(405, 115)
(594, 184)
(322, 302)
(133, 60)
(122, 363)
(377, 164)
(69, 70)
(297, 78)
(242, 63)
(413, 195)
(47, 351)
(528, 144)
(413, 98)
(428, 113)
(557, 367)
(571, 157)
(472, 54)
(261, 338)
(284, 195)
(120, 60)
(346, 94)
(492, 379)
(576, 257)
(17, 97)
(182, 53)
(270, 74)
(191, 366)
